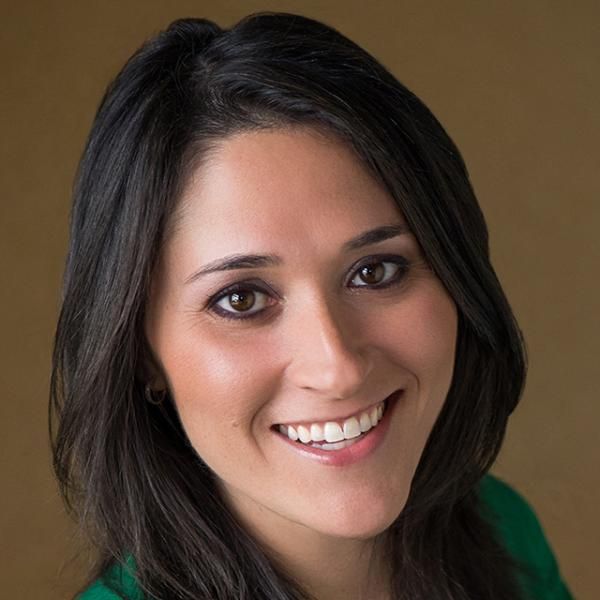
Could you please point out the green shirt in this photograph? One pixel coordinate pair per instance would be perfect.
(516, 523)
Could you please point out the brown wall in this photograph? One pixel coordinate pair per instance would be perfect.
(515, 83)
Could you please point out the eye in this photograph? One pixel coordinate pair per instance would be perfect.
(380, 273)
(246, 300)
(241, 301)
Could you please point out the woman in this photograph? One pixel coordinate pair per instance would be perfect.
(284, 364)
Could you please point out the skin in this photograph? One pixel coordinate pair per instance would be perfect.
(324, 344)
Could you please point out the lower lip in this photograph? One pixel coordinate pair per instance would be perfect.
(343, 457)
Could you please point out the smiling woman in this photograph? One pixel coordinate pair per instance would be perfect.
(284, 364)
(341, 320)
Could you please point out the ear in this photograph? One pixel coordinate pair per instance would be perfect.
(149, 370)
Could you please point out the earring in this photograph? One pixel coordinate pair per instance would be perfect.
(155, 398)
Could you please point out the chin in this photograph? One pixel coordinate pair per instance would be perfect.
(360, 517)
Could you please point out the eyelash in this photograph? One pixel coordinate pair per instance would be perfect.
(400, 262)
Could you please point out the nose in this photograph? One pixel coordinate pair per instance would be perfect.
(329, 354)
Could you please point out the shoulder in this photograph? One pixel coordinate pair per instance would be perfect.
(99, 591)
(117, 583)
(521, 533)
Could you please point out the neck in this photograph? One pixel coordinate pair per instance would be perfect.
(327, 567)
(333, 568)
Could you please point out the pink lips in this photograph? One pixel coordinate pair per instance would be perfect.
(367, 444)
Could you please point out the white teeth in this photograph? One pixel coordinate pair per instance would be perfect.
(351, 428)
(304, 434)
(316, 433)
(365, 422)
(333, 432)
(374, 414)
(292, 433)
(336, 445)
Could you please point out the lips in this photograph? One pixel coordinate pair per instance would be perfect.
(335, 431)
(341, 443)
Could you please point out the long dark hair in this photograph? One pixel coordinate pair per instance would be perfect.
(125, 465)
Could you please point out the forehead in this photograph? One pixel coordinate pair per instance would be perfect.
(280, 185)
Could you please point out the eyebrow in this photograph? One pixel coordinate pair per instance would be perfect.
(255, 261)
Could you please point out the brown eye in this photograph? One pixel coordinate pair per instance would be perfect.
(372, 273)
(242, 300)
(380, 273)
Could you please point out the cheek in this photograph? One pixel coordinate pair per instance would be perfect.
(421, 339)
(219, 382)
(423, 327)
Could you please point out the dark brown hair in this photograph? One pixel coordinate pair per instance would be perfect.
(125, 466)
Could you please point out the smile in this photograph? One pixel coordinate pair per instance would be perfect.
(334, 434)
(341, 443)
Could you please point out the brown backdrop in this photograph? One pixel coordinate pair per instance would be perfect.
(515, 83)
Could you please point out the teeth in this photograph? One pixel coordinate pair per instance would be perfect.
(316, 433)
(374, 414)
(365, 422)
(336, 446)
(303, 434)
(334, 433)
(292, 433)
(351, 428)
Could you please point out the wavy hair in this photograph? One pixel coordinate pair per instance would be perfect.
(125, 467)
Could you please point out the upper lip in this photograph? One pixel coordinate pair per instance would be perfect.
(337, 417)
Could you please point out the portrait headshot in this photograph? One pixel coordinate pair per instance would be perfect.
(315, 324)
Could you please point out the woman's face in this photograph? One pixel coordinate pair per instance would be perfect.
(320, 323)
